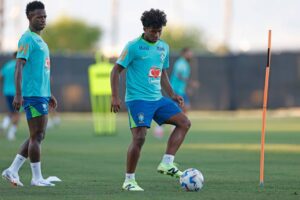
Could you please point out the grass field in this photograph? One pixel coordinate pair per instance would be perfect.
(224, 146)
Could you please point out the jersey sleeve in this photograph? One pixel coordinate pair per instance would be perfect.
(126, 56)
(24, 48)
(167, 58)
(3, 70)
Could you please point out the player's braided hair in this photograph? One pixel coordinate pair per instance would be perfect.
(33, 6)
(154, 18)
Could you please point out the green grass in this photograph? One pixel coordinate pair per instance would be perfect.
(224, 146)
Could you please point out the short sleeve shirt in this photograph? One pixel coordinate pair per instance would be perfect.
(36, 71)
(144, 62)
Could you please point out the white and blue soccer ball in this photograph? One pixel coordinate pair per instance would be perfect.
(191, 180)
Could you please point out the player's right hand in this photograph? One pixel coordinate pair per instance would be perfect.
(115, 104)
(17, 103)
(179, 100)
(53, 102)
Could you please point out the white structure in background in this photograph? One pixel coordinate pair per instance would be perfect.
(227, 24)
(1, 23)
(10, 24)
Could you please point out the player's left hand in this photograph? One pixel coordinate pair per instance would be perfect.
(53, 102)
(179, 100)
(17, 102)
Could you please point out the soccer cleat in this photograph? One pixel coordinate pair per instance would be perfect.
(41, 183)
(169, 169)
(131, 186)
(12, 178)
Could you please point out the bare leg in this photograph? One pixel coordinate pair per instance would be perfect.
(182, 124)
(133, 154)
(31, 149)
(37, 127)
(24, 149)
(31, 146)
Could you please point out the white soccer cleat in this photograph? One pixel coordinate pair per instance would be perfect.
(131, 186)
(42, 183)
(12, 178)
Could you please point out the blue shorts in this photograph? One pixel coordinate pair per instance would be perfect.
(35, 106)
(9, 101)
(142, 112)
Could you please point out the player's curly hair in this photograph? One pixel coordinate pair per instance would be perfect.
(31, 6)
(154, 18)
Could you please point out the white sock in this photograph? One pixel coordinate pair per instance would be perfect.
(129, 177)
(168, 159)
(11, 134)
(5, 122)
(36, 171)
(17, 163)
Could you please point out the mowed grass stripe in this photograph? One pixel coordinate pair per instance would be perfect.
(284, 148)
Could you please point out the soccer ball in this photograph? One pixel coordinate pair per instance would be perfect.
(192, 180)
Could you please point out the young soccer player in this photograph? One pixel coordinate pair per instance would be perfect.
(181, 74)
(32, 78)
(146, 60)
(10, 121)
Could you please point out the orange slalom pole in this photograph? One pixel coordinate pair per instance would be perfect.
(264, 113)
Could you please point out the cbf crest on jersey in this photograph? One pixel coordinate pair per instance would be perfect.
(141, 118)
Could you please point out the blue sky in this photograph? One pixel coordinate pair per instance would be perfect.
(251, 20)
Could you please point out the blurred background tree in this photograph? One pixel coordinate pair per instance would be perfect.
(68, 35)
(179, 37)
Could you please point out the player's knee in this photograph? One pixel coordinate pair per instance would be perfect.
(39, 137)
(185, 124)
(139, 140)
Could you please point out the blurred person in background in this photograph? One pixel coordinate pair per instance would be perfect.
(147, 60)
(32, 79)
(179, 80)
(11, 120)
(181, 75)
